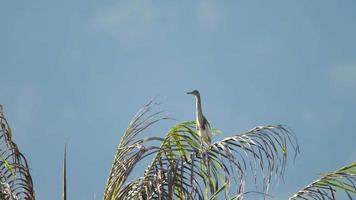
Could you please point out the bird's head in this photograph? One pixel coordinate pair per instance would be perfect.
(194, 92)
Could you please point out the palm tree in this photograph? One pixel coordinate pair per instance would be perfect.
(326, 186)
(15, 178)
(181, 168)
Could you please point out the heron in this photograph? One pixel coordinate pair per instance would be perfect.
(202, 124)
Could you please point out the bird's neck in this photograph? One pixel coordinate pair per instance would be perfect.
(199, 109)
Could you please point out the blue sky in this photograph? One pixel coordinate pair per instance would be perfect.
(77, 71)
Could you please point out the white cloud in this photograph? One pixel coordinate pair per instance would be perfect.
(127, 21)
(344, 75)
(208, 15)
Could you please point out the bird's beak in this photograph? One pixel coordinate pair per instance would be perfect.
(189, 92)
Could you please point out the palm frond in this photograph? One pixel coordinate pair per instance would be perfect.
(64, 178)
(326, 187)
(184, 169)
(262, 150)
(15, 178)
(131, 150)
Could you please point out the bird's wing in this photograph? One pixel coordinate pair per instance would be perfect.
(206, 122)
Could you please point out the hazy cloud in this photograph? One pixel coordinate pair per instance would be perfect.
(352, 156)
(344, 75)
(308, 115)
(25, 105)
(127, 21)
(208, 15)
(132, 21)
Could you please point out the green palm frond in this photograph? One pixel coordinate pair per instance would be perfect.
(15, 178)
(326, 187)
(184, 169)
(131, 150)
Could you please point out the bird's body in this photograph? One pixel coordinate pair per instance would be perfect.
(202, 124)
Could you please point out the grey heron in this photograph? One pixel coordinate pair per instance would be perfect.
(202, 124)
